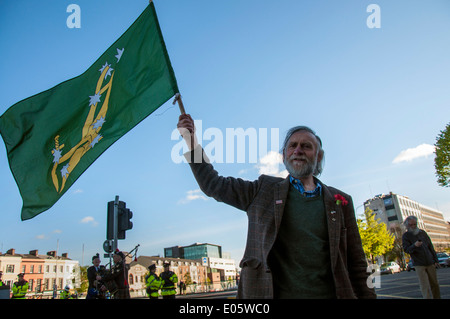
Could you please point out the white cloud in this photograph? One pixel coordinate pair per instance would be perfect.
(42, 236)
(423, 150)
(193, 195)
(270, 165)
(89, 219)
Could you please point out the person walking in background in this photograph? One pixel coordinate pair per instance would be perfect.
(418, 245)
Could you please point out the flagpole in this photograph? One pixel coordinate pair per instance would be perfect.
(180, 102)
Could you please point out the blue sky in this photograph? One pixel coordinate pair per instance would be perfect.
(369, 93)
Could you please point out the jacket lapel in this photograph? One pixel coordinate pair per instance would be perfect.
(281, 191)
(334, 216)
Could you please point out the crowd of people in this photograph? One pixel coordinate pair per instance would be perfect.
(109, 283)
(114, 284)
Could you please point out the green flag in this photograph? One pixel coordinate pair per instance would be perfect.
(51, 138)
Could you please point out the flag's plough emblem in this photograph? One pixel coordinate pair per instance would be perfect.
(90, 132)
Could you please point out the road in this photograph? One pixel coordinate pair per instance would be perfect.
(228, 294)
(405, 285)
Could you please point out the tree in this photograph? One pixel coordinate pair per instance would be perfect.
(442, 159)
(84, 280)
(376, 239)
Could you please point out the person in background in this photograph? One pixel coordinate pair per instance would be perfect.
(418, 245)
(169, 280)
(118, 277)
(153, 282)
(20, 287)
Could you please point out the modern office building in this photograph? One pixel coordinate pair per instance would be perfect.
(195, 251)
(392, 209)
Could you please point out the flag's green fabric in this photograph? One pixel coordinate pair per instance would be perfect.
(51, 138)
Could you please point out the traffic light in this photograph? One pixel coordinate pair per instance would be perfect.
(124, 223)
(124, 220)
(110, 221)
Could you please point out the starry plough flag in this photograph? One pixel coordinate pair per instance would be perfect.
(51, 138)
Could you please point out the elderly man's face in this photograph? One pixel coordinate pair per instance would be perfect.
(301, 154)
(412, 227)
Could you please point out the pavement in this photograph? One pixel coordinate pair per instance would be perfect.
(405, 285)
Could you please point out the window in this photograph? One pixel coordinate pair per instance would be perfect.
(10, 269)
(130, 279)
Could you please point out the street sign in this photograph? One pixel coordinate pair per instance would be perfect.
(107, 246)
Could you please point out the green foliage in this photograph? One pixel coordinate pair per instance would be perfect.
(442, 159)
(84, 280)
(376, 239)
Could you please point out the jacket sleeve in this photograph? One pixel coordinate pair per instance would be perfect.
(232, 191)
(408, 245)
(431, 247)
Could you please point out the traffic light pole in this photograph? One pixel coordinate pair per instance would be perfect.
(116, 222)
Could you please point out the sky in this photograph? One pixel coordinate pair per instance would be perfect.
(372, 81)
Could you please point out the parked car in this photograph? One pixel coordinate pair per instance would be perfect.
(390, 268)
(443, 259)
(410, 266)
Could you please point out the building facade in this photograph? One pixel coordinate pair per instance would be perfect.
(225, 267)
(392, 209)
(44, 273)
(190, 271)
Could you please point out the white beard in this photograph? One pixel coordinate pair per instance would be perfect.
(415, 231)
(305, 170)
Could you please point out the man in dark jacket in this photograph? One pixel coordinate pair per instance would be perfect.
(94, 273)
(295, 224)
(117, 279)
(418, 245)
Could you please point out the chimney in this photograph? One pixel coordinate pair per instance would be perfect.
(64, 255)
(34, 252)
(51, 253)
(12, 251)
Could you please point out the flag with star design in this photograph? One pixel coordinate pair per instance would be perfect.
(51, 138)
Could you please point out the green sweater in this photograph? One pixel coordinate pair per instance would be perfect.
(300, 258)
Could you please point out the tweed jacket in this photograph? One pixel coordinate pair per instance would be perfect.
(264, 201)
